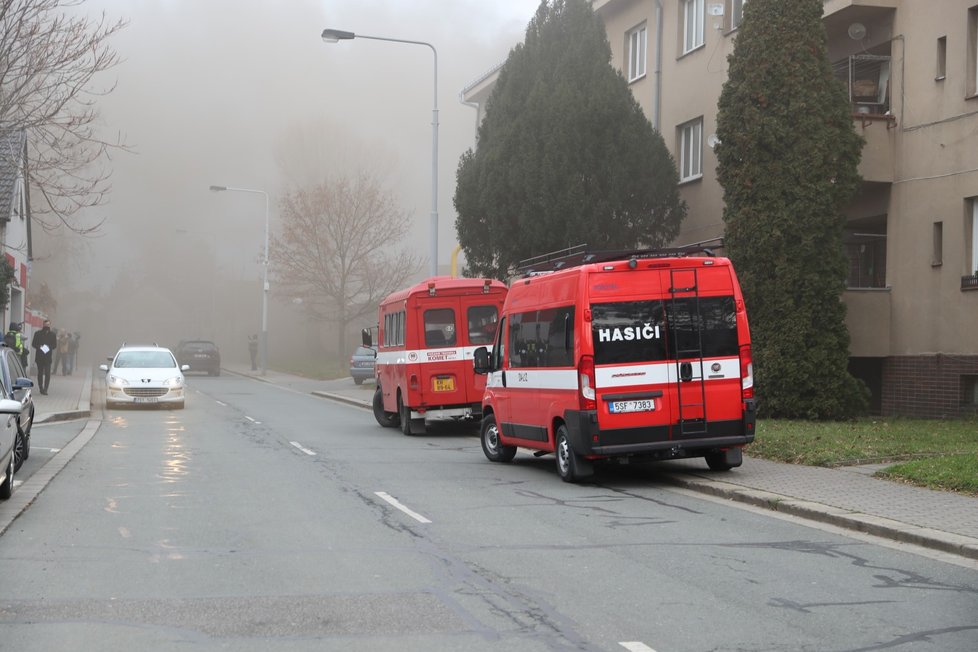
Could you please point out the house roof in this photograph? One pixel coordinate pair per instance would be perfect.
(11, 165)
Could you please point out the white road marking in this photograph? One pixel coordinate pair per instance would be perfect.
(252, 420)
(636, 646)
(302, 448)
(396, 503)
(17, 483)
(220, 403)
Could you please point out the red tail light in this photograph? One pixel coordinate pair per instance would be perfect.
(746, 372)
(585, 383)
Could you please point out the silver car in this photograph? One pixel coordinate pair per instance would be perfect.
(144, 375)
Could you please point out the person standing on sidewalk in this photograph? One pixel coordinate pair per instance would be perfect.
(72, 350)
(44, 342)
(61, 353)
(15, 340)
(253, 350)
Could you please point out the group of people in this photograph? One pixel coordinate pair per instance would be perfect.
(52, 349)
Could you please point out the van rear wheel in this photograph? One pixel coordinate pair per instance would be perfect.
(724, 460)
(571, 466)
(385, 419)
(409, 426)
(491, 446)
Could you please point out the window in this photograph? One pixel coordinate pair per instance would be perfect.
(941, 58)
(637, 45)
(973, 51)
(693, 18)
(543, 338)
(973, 240)
(394, 328)
(439, 327)
(865, 243)
(938, 239)
(482, 324)
(735, 13)
(691, 150)
(655, 330)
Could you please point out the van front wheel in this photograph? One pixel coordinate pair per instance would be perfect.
(491, 446)
(571, 466)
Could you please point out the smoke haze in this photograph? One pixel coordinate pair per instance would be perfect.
(246, 94)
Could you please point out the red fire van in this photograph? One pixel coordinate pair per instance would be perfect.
(621, 354)
(427, 334)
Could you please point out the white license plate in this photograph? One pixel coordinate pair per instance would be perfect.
(620, 407)
(146, 399)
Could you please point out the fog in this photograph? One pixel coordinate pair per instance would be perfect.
(246, 94)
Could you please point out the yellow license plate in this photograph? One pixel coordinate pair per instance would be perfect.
(445, 384)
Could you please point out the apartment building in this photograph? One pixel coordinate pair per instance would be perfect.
(911, 70)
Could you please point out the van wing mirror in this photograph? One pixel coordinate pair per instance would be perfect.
(367, 339)
(480, 359)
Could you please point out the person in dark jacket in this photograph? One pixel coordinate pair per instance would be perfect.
(44, 344)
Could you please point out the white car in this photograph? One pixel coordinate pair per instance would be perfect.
(144, 375)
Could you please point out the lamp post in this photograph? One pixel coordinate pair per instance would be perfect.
(263, 343)
(335, 36)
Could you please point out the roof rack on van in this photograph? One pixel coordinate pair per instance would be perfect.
(579, 255)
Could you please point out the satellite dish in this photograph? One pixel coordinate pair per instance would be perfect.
(712, 141)
(857, 31)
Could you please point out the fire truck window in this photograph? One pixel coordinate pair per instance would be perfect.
(629, 331)
(714, 325)
(517, 339)
(560, 337)
(498, 353)
(482, 324)
(439, 327)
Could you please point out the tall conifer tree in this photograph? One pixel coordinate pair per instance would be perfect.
(565, 155)
(787, 161)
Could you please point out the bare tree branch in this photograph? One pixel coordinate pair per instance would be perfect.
(336, 250)
(50, 57)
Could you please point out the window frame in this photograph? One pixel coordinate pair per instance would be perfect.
(637, 60)
(691, 143)
(734, 12)
(694, 36)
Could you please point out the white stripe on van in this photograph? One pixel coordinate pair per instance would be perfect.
(660, 373)
(425, 356)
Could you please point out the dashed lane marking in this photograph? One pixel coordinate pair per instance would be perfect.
(302, 448)
(396, 503)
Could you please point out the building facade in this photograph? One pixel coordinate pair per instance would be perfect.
(911, 71)
(15, 225)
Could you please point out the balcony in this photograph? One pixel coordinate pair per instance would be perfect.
(969, 282)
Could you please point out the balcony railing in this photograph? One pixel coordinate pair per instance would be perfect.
(969, 282)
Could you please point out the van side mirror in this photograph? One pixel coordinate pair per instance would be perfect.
(367, 339)
(480, 359)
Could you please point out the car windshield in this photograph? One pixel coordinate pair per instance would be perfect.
(144, 360)
(364, 351)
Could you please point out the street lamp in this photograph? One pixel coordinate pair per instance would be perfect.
(263, 343)
(337, 35)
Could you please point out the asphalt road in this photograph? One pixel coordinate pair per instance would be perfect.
(260, 518)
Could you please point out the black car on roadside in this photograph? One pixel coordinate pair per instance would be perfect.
(201, 355)
(17, 386)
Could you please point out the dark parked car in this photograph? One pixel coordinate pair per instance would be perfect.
(201, 355)
(362, 364)
(17, 387)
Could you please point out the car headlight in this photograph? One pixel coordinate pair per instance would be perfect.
(176, 381)
(115, 381)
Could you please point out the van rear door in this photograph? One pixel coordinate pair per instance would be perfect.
(666, 354)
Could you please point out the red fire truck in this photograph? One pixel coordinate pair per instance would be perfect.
(641, 354)
(426, 336)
